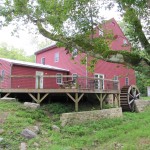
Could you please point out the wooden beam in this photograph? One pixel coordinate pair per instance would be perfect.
(76, 102)
(118, 99)
(33, 97)
(101, 98)
(38, 98)
(71, 97)
(80, 97)
(6, 95)
(43, 97)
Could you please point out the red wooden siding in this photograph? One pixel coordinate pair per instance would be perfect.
(6, 66)
(108, 69)
(30, 82)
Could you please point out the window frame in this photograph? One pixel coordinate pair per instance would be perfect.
(59, 77)
(43, 62)
(74, 76)
(56, 57)
(74, 52)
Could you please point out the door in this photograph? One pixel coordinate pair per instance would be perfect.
(39, 80)
(99, 82)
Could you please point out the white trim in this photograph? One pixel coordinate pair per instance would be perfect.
(99, 83)
(61, 79)
(39, 80)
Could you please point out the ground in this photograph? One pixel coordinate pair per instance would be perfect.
(129, 132)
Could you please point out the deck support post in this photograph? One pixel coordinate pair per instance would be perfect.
(38, 99)
(101, 97)
(118, 99)
(76, 99)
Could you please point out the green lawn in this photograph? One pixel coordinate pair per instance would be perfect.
(131, 132)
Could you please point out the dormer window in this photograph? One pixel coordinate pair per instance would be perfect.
(101, 33)
(125, 42)
(43, 60)
(75, 53)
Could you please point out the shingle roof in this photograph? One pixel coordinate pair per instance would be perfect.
(36, 65)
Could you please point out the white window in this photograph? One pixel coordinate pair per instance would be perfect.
(43, 60)
(125, 42)
(126, 81)
(101, 33)
(2, 75)
(116, 78)
(99, 81)
(56, 57)
(74, 76)
(59, 78)
(74, 52)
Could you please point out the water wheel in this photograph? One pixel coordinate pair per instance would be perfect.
(127, 97)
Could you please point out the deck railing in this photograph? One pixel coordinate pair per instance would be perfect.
(57, 82)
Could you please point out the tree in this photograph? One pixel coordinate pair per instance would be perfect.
(13, 53)
(71, 23)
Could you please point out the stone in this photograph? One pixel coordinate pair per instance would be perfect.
(23, 146)
(140, 105)
(1, 139)
(85, 116)
(1, 131)
(31, 105)
(55, 128)
(28, 134)
(7, 99)
(34, 129)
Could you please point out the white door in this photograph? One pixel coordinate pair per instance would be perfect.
(99, 82)
(39, 80)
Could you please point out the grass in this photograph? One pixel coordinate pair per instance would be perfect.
(145, 98)
(131, 132)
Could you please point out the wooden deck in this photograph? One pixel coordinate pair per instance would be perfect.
(75, 92)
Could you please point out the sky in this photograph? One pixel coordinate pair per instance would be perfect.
(30, 42)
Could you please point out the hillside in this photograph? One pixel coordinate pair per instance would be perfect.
(129, 132)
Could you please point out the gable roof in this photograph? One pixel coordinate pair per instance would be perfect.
(36, 65)
(46, 49)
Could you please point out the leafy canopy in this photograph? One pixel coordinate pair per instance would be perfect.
(72, 22)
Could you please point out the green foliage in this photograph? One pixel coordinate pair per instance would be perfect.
(130, 131)
(14, 53)
(58, 108)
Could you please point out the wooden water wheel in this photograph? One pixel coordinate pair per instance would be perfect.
(127, 97)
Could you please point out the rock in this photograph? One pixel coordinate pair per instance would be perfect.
(34, 129)
(1, 139)
(23, 146)
(140, 105)
(7, 99)
(28, 134)
(1, 131)
(55, 128)
(31, 105)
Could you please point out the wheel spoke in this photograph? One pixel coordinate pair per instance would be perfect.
(131, 95)
(131, 101)
(137, 95)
